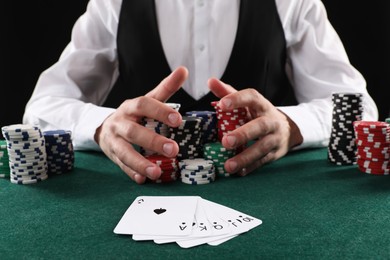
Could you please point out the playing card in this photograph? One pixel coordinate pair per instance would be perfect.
(187, 220)
(159, 216)
(237, 223)
(201, 228)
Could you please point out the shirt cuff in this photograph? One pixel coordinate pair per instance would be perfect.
(314, 132)
(95, 116)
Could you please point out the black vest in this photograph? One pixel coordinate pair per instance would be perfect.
(257, 60)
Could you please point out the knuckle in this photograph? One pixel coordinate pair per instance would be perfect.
(140, 102)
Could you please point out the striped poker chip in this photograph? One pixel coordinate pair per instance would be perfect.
(175, 106)
(157, 127)
(169, 168)
(26, 154)
(196, 164)
(209, 127)
(188, 136)
(218, 154)
(195, 182)
(347, 108)
(373, 146)
(29, 181)
(229, 121)
(197, 171)
(59, 151)
(4, 160)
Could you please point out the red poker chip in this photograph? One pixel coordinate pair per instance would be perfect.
(372, 150)
(372, 135)
(373, 153)
(370, 124)
(370, 157)
(365, 143)
(382, 165)
(374, 171)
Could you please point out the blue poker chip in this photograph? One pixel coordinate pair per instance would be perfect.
(59, 151)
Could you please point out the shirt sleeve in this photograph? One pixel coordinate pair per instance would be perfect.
(71, 92)
(318, 66)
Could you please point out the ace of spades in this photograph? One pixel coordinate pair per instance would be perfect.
(159, 215)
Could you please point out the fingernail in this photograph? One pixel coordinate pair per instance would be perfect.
(168, 148)
(233, 166)
(231, 140)
(150, 171)
(227, 102)
(173, 118)
(138, 178)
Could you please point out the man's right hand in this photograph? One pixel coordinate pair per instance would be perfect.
(122, 129)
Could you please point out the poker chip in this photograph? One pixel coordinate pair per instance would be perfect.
(59, 151)
(347, 108)
(188, 136)
(4, 160)
(197, 171)
(228, 121)
(27, 155)
(157, 127)
(218, 154)
(209, 125)
(373, 146)
(169, 168)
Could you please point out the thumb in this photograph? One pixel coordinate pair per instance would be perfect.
(219, 88)
(169, 85)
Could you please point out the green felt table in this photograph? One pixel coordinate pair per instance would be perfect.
(310, 209)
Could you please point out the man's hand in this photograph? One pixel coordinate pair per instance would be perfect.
(272, 131)
(121, 130)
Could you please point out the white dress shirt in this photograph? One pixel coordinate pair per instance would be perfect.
(198, 34)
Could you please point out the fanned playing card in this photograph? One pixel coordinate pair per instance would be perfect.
(187, 220)
(159, 215)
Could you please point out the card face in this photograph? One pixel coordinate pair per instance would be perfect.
(222, 218)
(201, 228)
(159, 216)
(187, 220)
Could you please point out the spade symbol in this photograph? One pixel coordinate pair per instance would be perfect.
(159, 211)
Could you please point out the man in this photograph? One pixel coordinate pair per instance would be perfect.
(281, 60)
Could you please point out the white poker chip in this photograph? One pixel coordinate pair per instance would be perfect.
(196, 164)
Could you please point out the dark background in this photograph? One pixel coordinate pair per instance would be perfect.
(36, 32)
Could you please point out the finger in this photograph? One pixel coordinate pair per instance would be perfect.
(252, 130)
(257, 164)
(151, 108)
(133, 163)
(251, 154)
(219, 88)
(169, 85)
(250, 98)
(134, 133)
(135, 176)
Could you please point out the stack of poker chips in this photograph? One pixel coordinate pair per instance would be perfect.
(169, 168)
(209, 127)
(229, 121)
(59, 150)
(26, 152)
(373, 146)
(197, 171)
(157, 127)
(347, 108)
(4, 161)
(189, 137)
(218, 154)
